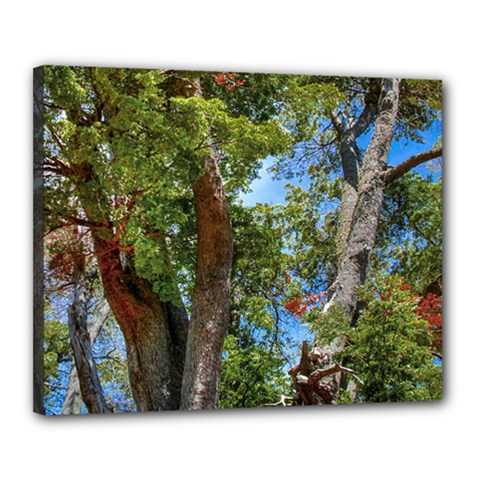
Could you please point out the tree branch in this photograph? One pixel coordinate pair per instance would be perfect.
(283, 402)
(324, 372)
(437, 355)
(337, 124)
(412, 162)
(364, 120)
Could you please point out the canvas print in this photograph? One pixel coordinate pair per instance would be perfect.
(217, 240)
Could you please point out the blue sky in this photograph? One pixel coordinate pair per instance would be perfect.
(265, 189)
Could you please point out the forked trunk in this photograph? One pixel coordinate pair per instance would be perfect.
(154, 331)
(363, 227)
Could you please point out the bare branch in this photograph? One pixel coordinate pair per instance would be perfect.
(337, 124)
(283, 402)
(437, 355)
(412, 162)
(323, 372)
(364, 120)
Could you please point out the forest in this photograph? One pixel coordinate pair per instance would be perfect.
(167, 279)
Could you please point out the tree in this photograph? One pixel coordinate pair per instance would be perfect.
(38, 293)
(365, 180)
(73, 293)
(89, 381)
(128, 152)
(257, 347)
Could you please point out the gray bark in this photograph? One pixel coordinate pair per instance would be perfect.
(361, 206)
(73, 402)
(351, 162)
(363, 226)
(410, 163)
(89, 381)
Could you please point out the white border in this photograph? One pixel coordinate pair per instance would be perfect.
(409, 38)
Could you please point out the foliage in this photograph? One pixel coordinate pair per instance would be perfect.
(430, 309)
(123, 148)
(256, 347)
(57, 350)
(140, 144)
(391, 347)
(252, 371)
(410, 232)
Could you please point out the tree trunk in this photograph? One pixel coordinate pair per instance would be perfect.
(351, 163)
(364, 223)
(89, 381)
(211, 296)
(73, 402)
(357, 230)
(154, 331)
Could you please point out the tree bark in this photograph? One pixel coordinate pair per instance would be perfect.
(363, 227)
(351, 163)
(357, 232)
(211, 295)
(154, 331)
(410, 163)
(89, 381)
(72, 405)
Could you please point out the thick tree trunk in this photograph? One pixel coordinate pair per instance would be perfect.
(73, 402)
(364, 223)
(211, 296)
(154, 331)
(361, 210)
(89, 381)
